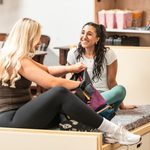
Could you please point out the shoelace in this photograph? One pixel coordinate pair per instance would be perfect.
(122, 133)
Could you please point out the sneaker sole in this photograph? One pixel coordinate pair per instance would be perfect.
(113, 141)
(131, 143)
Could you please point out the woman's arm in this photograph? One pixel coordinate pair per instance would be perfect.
(111, 74)
(61, 70)
(39, 75)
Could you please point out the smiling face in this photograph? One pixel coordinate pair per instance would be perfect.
(88, 37)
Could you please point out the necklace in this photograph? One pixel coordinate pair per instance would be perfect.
(89, 60)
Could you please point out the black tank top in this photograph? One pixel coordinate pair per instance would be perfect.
(13, 98)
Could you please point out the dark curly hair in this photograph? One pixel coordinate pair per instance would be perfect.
(100, 49)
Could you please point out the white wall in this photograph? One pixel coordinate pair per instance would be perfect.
(61, 19)
(9, 13)
(134, 73)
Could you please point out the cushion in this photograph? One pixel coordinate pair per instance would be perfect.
(133, 118)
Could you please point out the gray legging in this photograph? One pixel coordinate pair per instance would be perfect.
(43, 111)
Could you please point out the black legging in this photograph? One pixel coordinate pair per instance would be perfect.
(41, 112)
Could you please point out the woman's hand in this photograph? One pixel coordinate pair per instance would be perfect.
(78, 67)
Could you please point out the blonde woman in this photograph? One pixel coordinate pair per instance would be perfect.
(18, 70)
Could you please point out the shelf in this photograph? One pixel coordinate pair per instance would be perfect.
(140, 32)
(129, 31)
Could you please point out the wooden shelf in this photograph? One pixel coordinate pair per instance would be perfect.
(129, 31)
(144, 35)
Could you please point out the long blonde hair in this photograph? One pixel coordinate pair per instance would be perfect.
(20, 43)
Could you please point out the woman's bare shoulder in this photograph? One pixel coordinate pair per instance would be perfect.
(26, 61)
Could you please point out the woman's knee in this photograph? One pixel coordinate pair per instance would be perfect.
(57, 93)
(121, 91)
(55, 96)
(59, 89)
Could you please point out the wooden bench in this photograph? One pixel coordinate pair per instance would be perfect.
(26, 139)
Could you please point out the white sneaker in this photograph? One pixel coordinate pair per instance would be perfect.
(123, 137)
